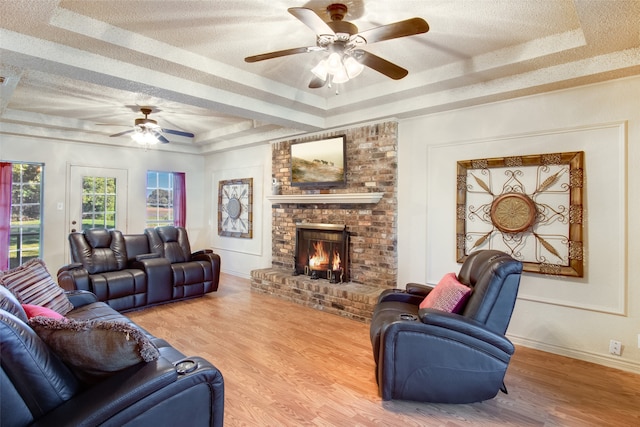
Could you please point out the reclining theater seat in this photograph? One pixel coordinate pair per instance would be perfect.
(124, 271)
(429, 355)
(193, 273)
(103, 255)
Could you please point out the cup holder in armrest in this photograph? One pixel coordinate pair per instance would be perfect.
(185, 366)
(408, 317)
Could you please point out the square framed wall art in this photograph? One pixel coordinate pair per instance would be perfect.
(235, 208)
(530, 207)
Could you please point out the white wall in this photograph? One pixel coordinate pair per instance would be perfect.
(58, 155)
(576, 317)
(239, 255)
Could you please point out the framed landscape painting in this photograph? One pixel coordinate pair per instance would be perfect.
(319, 163)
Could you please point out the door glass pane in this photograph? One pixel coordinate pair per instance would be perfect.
(110, 220)
(98, 202)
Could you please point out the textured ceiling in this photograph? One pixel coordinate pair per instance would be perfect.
(80, 70)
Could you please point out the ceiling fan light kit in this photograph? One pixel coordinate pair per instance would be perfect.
(144, 136)
(346, 58)
(337, 68)
(147, 131)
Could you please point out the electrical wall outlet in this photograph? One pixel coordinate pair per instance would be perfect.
(615, 347)
(638, 340)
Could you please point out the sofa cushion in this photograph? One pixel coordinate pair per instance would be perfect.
(10, 304)
(170, 242)
(168, 234)
(34, 380)
(98, 237)
(99, 250)
(31, 283)
(95, 349)
(38, 310)
(97, 311)
(449, 295)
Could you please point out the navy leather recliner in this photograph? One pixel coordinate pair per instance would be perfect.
(429, 355)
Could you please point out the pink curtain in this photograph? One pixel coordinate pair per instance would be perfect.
(5, 213)
(179, 199)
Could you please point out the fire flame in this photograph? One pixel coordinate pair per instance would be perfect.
(320, 257)
(336, 261)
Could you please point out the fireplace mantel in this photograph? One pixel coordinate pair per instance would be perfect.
(346, 198)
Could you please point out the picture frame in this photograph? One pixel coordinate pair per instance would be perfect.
(530, 207)
(235, 208)
(319, 163)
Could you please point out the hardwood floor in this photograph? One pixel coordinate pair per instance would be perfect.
(289, 365)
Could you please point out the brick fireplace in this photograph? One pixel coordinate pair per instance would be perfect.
(370, 259)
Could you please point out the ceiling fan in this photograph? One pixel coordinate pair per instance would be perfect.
(147, 131)
(344, 43)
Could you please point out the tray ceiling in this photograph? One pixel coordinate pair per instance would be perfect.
(80, 70)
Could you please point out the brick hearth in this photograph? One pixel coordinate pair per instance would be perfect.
(352, 300)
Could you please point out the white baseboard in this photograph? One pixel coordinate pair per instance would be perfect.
(243, 275)
(600, 359)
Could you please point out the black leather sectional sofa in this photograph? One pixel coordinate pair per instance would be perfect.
(37, 388)
(130, 272)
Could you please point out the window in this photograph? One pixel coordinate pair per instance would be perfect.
(25, 223)
(165, 199)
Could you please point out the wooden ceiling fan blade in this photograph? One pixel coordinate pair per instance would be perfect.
(178, 132)
(122, 133)
(381, 65)
(280, 53)
(317, 82)
(309, 18)
(408, 27)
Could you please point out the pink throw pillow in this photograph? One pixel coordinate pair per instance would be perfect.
(448, 295)
(38, 310)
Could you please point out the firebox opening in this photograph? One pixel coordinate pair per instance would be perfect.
(322, 252)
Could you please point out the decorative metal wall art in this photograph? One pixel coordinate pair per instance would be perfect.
(528, 206)
(235, 208)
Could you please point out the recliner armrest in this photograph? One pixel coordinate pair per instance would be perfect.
(419, 289)
(148, 263)
(147, 256)
(159, 278)
(74, 277)
(202, 251)
(129, 394)
(81, 298)
(399, 295)
(105, 399)
(72, 266)
(466, 326)
(413, 294)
